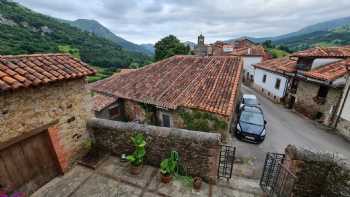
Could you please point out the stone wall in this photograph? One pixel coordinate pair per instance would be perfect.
(136, 112)
(318, 174)
(305, 103)
(68, 102)
(199, 151)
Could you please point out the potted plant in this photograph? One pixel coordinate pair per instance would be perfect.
(136, 159)
(168, 166)
(197, 183)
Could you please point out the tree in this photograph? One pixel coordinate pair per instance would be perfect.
(170, 46)
(268, 44)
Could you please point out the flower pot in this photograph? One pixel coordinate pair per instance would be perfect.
(165, 178)
(135, 170)
(197, 183)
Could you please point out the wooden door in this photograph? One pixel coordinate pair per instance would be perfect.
(27, 165)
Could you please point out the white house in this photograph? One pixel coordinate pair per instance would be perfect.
(272, 77)
(253, 54)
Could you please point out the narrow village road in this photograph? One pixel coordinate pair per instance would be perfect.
(286, 127)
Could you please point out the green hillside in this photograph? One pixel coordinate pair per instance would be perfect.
(96, 28)
(335, 37)
(24, 31)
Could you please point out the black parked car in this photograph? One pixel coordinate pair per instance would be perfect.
(251, 124)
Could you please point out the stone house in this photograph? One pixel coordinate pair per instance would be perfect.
(319, 81)
(192, 92)
(44, 105)
(201, 49)
(272, 77)
(342, 122)
(242, 43)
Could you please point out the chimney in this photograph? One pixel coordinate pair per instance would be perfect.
(249, 51)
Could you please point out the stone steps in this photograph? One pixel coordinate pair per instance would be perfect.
(242, 185)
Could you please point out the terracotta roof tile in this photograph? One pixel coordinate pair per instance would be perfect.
(279, 65)
(26, 70)
(343, 51)
(206, 83)
(330, 71)
(254, 50)
(102, 101)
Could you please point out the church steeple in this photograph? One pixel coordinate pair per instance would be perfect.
(201, 40)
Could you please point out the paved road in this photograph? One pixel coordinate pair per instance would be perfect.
(286, 127)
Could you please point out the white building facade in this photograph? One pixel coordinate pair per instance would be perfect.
(272, 84)
(248, 68)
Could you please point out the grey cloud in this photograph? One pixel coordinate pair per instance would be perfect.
(149, 20)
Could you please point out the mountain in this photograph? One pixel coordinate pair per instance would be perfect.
(149, 47)
(99, 30)
(24, 32)
(334, 37)
(192, 45)
(318, 27)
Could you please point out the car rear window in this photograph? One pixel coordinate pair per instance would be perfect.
(252, 118)
(249, 101)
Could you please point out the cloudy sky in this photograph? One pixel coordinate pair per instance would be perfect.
(146, 21)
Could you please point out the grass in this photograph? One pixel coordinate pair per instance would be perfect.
(277, 53)
(102, 73)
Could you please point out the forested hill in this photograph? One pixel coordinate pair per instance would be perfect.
(335, 37)
(96, 28)
(24, 32)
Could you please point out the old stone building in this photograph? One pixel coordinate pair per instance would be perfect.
(201, 48)
(196, 93)
(342, 121)
(44, 106)
(319, 81)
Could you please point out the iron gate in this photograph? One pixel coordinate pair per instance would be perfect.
(276, 180)
(227, 157)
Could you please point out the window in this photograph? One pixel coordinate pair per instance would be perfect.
(322, 92)
(251, 78)
(114, 111)
(278, 84)
(264, 79)
(166, 120)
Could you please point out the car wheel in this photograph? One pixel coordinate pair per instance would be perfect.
(238, 136)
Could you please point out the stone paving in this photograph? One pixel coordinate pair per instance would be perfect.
(112, 178)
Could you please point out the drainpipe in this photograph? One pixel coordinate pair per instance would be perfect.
(345, 98)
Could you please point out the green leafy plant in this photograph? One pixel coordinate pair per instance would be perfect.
(138, 155)
(168, 166)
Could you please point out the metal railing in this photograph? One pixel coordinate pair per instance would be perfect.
(277, 180)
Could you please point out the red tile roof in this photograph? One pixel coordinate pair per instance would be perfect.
(102, 101)
(255, 50)
(33, 70)
(330, 71)
(279, 65)
(343, 51)
(206, 83)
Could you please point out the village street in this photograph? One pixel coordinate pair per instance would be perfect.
(285, 127)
